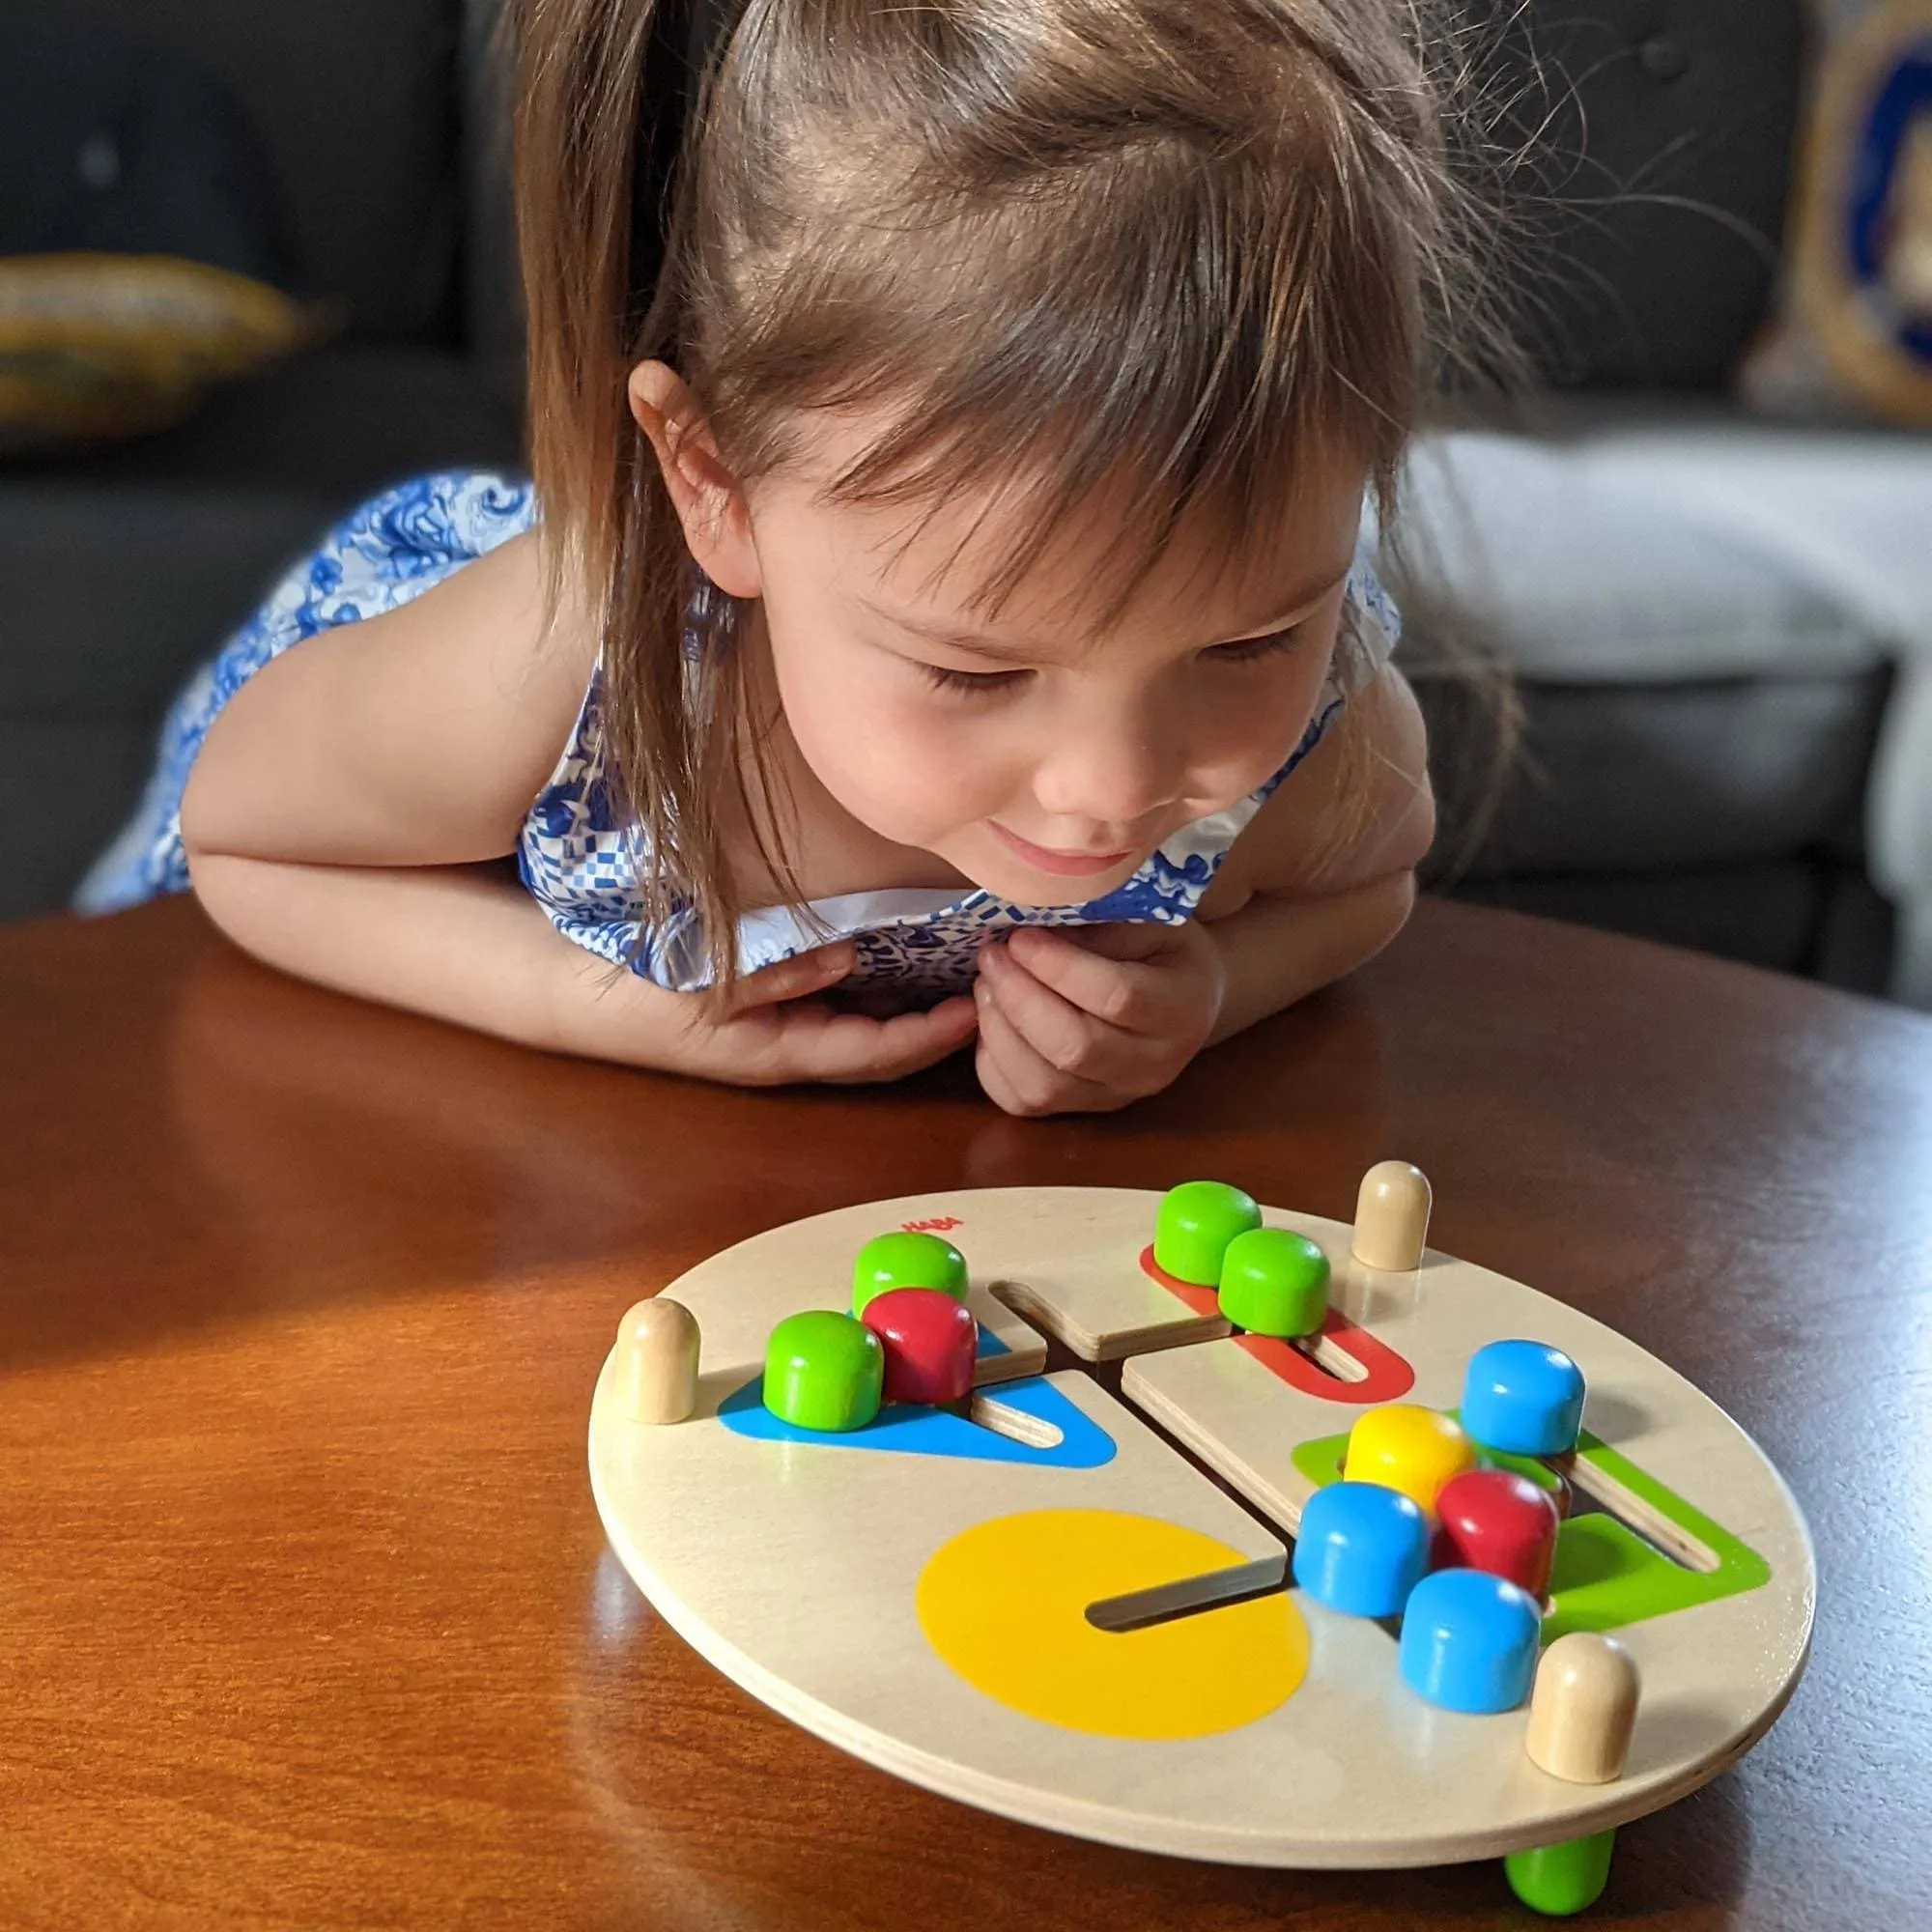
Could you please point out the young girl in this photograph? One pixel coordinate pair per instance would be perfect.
(944, 619)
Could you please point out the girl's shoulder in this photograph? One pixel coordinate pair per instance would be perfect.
(1371, 628)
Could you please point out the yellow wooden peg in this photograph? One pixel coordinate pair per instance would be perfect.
(1583, 1709)
(1408, 1448)
(657, 1361)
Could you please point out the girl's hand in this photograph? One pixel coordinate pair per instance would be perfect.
(776, 1033)
(1085, 1019)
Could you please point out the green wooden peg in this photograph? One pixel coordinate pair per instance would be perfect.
(824, 1370)
(1559, 1880)
(1274, 1282)
(907, 1260)
(1196, 1222)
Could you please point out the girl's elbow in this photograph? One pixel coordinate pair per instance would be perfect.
(197, 827)
(1396, 899)
(1413, 833)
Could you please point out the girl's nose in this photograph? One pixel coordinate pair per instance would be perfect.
(1109, 772)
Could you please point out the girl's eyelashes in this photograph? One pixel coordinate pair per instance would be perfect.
(989, 683)
(972, 683)
(1250, 649)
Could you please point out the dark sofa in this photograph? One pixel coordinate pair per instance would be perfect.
(119, 571)
(1706, 708)
(1706, 713)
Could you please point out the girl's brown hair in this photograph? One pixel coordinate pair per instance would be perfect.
(1156, 245)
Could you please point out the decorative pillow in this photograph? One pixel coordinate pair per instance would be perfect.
(1854, 331)
(97, 347)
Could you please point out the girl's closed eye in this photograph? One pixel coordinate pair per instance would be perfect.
(972, 683)
(1251, 650)
(991, 682)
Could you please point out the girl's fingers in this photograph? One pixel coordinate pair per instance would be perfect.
(813, 1043)
(993, 1081)
(795, 979)
(1068, 1037)
(1022, 1080)
(1116, 985)
(1015, 1078)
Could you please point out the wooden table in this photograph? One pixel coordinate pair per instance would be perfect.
(305, 1615)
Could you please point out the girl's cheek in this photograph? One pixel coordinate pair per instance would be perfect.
(902, 760)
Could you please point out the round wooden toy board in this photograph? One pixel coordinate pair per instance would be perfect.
(917, 1592)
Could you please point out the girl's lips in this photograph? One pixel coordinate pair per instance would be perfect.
(1062, 865)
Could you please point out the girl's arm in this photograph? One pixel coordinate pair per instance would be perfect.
(1323, 877)
(467, 944)
(340, 815)
(417, 738)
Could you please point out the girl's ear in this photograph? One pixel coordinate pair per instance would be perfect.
(707, 498)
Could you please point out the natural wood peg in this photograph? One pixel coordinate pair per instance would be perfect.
(657, 1361)
(1583, 1709)
(1391, 1217)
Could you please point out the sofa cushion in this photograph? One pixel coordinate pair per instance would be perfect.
(1846, 510)
(115, 148)
(1809, 916)
(1626, 781)
(1578, 554)
(1627, 543)
(66, 787)
(118, 573)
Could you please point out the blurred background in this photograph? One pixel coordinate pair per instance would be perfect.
(255, 264)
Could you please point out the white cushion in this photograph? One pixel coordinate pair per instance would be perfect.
(1663, 554)
(1633, 542)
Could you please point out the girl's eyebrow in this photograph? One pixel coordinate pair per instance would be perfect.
(1019, 651)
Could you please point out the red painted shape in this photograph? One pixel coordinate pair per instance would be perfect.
(1496, 1521)
(1202, 1300)
(1386, 1376)
(930, 1342)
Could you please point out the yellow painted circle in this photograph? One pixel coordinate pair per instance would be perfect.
(1005, 1605)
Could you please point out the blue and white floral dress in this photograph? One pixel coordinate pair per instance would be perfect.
(580, 859)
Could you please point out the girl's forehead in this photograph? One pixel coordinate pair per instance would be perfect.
(932, 561)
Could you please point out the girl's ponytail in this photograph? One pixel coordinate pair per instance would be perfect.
(580, 86)
(604, 94)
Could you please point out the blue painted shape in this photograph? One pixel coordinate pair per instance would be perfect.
(915, 1430)
(990, 1343)
(1469, 1640)
(1524, 1397)
(1361, 1548)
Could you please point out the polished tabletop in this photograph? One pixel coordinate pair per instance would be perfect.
(306, 1618)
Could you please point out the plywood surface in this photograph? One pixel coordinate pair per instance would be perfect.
(795, 1567)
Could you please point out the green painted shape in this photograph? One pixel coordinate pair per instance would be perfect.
(1274, 1282)
(1195, 1223)
(824, 1371)
(906, 1260)
(1604, 1575)
(1533, 1468)
(1559, 1880)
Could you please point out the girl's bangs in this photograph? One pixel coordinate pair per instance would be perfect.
(1053, 342)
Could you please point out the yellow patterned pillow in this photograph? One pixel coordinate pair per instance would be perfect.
(98, 347)
(1854, 331)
